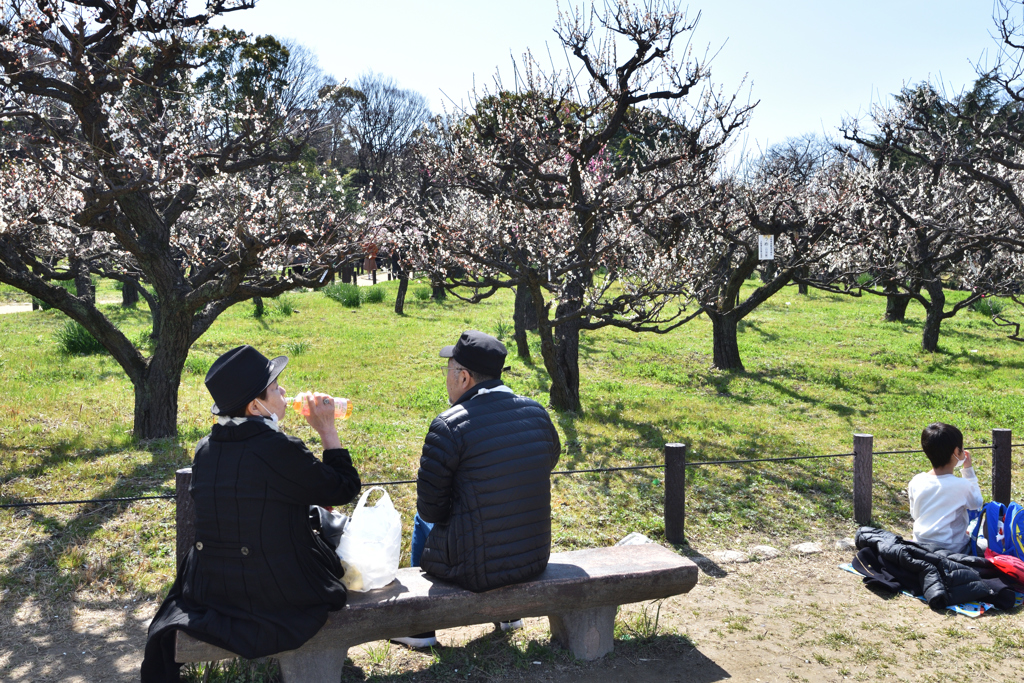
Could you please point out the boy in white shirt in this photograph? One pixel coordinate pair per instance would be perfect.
(939, 500)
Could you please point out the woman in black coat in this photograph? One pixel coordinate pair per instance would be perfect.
(258, 580)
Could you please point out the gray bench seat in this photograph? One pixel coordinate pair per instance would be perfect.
(579, 593)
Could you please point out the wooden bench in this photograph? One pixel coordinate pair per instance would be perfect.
(579, 593)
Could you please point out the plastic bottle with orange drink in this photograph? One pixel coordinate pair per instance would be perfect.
(342, 406)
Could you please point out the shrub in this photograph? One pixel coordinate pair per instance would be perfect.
(285, 305)
(73, 339)
(296, 348)
(422, 293)
(373, 295)
(989, 306)
(503, 329)
(346, 295)
(864, 278)
(197, 365)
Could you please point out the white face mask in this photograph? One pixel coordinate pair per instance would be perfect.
(273, 417)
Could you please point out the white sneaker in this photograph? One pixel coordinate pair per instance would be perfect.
(511, 625)
(417, 641)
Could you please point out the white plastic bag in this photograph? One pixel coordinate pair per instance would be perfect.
(372, 544)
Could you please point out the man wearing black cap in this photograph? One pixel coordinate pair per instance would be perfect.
(483, 489)
(257, 580)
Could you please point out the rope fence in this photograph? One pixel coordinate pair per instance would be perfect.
(675, 478)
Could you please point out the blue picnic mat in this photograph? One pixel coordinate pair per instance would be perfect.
(968, 609)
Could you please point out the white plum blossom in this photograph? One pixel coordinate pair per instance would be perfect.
(123, 155)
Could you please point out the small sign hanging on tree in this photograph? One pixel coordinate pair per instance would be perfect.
(766, 247)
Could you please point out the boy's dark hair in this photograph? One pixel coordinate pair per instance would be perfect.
(939, 440)
(241, 411)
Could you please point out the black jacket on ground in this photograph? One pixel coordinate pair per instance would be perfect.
(484, 482)
(258, 580)
(941, 577)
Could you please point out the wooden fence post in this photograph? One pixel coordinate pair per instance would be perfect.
(185, 515)
(863, 449)
(675, 492)
(1002, 458)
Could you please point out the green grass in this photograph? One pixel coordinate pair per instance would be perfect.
(819, 370)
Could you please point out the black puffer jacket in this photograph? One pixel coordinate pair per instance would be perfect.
(941, 577)
(484, 482)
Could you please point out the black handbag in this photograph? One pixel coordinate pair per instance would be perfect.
(328, 524)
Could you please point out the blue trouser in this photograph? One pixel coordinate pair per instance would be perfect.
(420, 531)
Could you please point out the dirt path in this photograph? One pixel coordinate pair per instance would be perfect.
(791, 618)
(27, 306)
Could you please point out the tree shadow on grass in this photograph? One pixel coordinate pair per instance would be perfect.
(97, 633)
(942, 359)
(604, 451)
(722, 384)
(41, 574)
(59, 453)
(735, 494)
(756, 327)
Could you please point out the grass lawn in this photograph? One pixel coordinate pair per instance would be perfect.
(819, 368)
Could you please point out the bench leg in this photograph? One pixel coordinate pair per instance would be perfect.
(312, 665)
(587, 633)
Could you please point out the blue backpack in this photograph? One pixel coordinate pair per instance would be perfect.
(1013, 531)
(996, 518)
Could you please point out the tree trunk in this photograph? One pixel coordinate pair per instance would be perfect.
(524, 318)
(156, 391)
(437, 290)
(560, 347)
(129, 295)
(83, 283)
(403, 287)
(802, 285)
(565, 383)
(933, 317)
(725, 343)
(896, 301)
(896, 306)
(156, 404)
(258, 300)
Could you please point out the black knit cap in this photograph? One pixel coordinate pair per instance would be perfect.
(478, 352)
(239, 376)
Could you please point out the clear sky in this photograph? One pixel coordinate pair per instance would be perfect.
(809, 62)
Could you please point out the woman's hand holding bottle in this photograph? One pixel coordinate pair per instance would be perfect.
(342, 406)
(319, 411)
